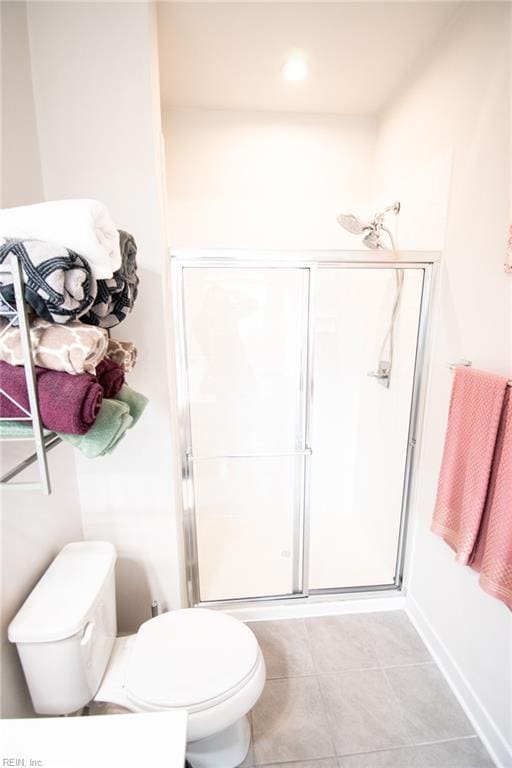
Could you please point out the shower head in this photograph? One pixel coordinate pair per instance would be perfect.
(371, 240)
(370, 229)
(352, 224)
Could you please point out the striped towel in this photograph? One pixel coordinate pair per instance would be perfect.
(116, 295)
(58, 283)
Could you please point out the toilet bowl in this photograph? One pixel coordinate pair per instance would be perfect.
(198, 660)
(194, 659)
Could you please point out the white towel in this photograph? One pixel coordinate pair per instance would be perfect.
(83, 226)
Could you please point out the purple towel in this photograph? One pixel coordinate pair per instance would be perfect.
(110, 377)
(66, 403)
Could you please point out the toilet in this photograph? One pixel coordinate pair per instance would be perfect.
(197, 660)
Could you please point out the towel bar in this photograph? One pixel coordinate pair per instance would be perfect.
(275, 455)
(468, 364)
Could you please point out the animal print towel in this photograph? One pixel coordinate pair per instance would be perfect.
(74, 348)
(124, 353)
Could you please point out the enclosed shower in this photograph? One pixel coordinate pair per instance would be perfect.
(296, 464)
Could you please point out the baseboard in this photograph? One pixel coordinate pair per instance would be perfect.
(483, 724)
(316, 606)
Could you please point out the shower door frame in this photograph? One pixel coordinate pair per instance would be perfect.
(312, 261)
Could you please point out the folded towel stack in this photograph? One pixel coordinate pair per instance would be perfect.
(76, 264)
(80, 278)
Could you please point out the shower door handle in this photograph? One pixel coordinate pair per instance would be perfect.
(278, 454)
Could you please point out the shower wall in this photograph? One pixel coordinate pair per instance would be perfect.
(218, 166)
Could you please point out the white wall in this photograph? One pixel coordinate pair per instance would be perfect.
(21, 168)
(95, 81)
(263, 179)
(460, 104)
(34, 527)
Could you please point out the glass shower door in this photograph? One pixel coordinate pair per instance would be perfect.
(244, 330)
(360, 427)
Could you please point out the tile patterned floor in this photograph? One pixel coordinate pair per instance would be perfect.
(356, 691)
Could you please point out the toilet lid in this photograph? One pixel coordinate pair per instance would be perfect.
(190, 657)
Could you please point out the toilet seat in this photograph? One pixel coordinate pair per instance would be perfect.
(190, 659)
(219, 702)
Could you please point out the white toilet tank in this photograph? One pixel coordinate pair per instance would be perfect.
(66, 628)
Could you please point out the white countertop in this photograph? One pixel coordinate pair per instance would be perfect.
(155, 739)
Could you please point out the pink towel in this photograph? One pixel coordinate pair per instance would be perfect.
(475, 410)
(493, 557)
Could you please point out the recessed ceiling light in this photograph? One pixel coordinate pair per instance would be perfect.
(295, 67)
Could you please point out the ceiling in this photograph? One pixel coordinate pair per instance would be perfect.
(230, 55)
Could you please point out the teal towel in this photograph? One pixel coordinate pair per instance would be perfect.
(18, 429)
(114, 418)
(134, 400)
(109, 428)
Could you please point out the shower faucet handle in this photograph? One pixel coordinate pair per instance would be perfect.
(382, 373)
(378, 375)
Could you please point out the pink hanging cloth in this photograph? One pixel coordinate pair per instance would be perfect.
(475, 409)
(493, 557)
